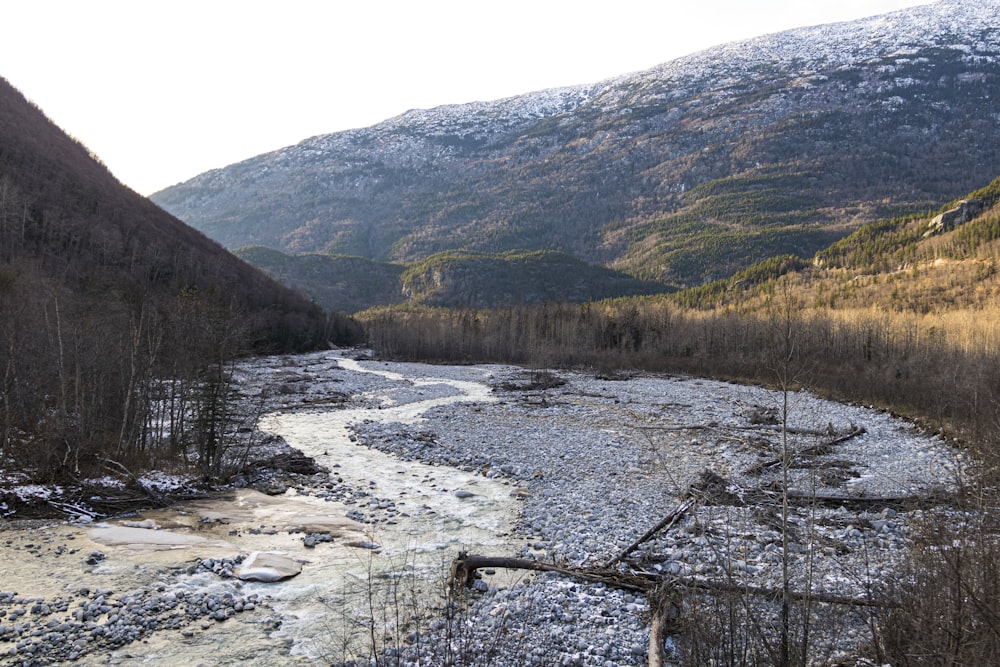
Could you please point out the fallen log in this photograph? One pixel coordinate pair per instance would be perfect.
(815, 449)
(666, 523)
(464, 567)
(863, 502)
(755, 427)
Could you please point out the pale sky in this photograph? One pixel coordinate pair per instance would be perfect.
(162, 91)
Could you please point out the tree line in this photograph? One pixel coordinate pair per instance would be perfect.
(939, 368)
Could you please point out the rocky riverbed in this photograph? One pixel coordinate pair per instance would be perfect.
(589, 464)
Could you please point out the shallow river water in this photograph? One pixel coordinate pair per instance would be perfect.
(324, 613)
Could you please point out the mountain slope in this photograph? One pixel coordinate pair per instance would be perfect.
(453, 279)
(336, 282)
(117, 321)
(685, 172)
(904, 264)
(63, 210)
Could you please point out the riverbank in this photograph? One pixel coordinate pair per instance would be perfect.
(599, 462)
(591, 465)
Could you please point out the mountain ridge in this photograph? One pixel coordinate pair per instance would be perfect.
(836, 125)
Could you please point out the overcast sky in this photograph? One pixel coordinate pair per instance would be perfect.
(163, 91)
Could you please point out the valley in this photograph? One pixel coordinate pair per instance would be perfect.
(435, 460)
(694, 365)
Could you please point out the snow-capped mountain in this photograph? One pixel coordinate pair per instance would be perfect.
(683, 172)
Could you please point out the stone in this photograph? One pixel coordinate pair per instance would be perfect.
(966, 210)
(268, 566)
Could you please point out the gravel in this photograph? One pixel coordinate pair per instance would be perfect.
(595, 463)
(35, 631)
(598, 462)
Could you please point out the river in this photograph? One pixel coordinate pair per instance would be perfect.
(352, 591)
(577, 470)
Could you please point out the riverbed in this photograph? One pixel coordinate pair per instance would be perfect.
(427, 461)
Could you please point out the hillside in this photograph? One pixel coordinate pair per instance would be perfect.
(901, 265)
(448, 279)
(103, 295)
(683, 173)
(477, 280)
(335, 282)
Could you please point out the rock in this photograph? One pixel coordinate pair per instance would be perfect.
(268, 566)
(966, 210)
(362, 544)
(462, 493)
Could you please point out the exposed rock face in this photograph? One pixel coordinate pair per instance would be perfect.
(966, 210)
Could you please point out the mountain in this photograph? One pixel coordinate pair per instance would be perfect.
(117, 320)
(683, 173)
(452, 279)
(63, 212)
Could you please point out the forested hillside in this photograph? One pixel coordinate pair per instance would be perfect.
(447, 279)
(104, 299)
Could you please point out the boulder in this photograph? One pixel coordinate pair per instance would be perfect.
(966, 210)
(268, 566)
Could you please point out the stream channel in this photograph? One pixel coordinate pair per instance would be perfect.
(322, 615)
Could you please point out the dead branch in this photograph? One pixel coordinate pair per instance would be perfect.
(75, 511)
(667, 522)
(815, 449)
(464, 567)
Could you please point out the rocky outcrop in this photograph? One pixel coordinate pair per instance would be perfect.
(966, 210)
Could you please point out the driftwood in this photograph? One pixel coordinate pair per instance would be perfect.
(657, 588)
(75, 511)
(863, 502)
(463, 570)
(464, 567)
(666, 523)
(754, 427)
(815, 449)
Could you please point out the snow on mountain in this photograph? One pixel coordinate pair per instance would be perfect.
(415, 136)
(840, 117)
